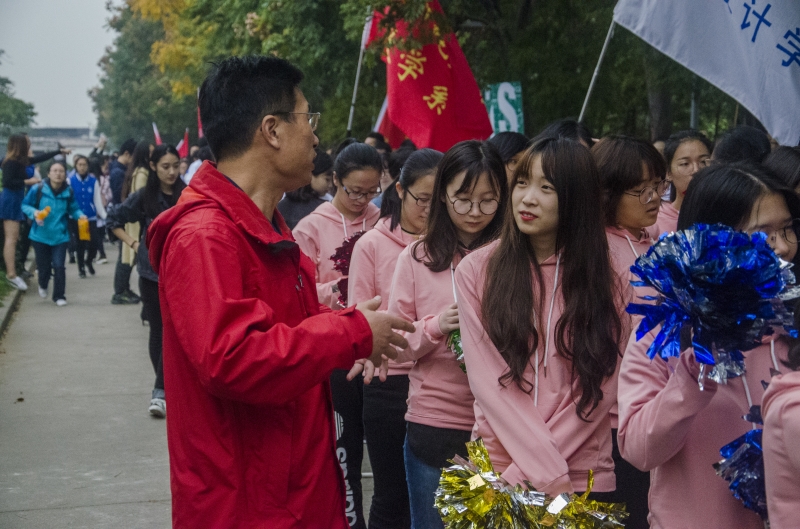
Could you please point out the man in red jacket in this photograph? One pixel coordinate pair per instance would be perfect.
(248, 349)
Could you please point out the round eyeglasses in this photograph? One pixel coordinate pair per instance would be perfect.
(355, 195)
(647, 194)
(462, 206)
(788, 232)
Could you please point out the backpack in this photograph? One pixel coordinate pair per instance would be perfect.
(40, 190)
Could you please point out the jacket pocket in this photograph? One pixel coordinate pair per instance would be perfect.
(268, 449)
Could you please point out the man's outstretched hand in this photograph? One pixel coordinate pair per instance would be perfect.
(384, 340)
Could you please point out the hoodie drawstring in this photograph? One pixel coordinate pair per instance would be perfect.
(744, 378)
(546, 339)
(344, 223)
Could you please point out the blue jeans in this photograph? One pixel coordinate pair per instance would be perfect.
(51, 258)
(423, 480)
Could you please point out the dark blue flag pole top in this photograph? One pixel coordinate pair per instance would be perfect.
(723, 284)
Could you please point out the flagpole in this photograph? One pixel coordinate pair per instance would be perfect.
(364, 37)
(597, 70)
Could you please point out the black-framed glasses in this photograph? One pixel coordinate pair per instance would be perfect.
(313, 117)
(421, 202)
(647, 194)
(355, 195)
(462, 206)
(788, 232)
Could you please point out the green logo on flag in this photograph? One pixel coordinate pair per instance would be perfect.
(504, 103)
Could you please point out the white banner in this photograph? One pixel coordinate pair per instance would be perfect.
(749, 49)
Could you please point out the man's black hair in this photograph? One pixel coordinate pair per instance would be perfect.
(236, 96)
(377, 135)
(742, 144)
(127, 146)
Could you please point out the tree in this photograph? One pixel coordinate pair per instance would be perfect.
(14, 113)
(133, 93)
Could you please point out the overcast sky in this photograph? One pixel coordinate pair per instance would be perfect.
(51, 52)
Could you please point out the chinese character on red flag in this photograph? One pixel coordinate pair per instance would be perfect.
(431, 92)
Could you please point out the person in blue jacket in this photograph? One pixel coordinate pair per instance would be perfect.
(50, 236)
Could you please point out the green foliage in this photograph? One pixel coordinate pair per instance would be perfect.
(133, 93)
(13, 112)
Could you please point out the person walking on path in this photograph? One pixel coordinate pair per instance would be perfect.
(162, 189)
(15, 178)
(122, 274)
(50, 204)
(248, 348)
(87, 193)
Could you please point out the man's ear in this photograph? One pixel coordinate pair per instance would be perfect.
(270, 130)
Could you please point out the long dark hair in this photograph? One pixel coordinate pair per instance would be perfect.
(151, 191)
(785, 163)
(589, 331)
(17, 149)
(420, 164)
(441, 242)
(141, 158)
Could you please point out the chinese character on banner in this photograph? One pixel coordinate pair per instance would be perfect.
(794, 56)
(761, 17)
(412, 63)
(438, 99)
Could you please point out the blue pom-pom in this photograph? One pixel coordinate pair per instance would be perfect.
(742, 467)
(722, 283)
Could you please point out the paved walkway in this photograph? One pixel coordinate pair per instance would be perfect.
(78, 446)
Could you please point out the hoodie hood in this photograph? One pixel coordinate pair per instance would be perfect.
(778, 386)
(397, 234)
(210, 189)
(362, 223)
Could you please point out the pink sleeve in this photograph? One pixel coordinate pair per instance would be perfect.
(790, 417)
(402, 304)
(307, 242)
(361, 283)
(656, 409)
(509, 411)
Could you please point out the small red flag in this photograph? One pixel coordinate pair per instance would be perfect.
(183, 145)
(431, 92)
(199, 124)
(157, 135)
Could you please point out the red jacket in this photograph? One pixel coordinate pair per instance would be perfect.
(248, 351)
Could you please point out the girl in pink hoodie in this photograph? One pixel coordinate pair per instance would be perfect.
(541, 347)
(356, 173)
(667, 425)
(781, 411)
(686, 152)
(632, 175)
(404, 213)
(469, 190)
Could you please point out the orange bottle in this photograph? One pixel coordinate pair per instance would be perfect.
(83, 229)
(42, 214)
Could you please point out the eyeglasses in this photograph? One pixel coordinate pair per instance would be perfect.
(462, 206)
(313, 117)
(788, 232)
(355, 195)
(686, 168)
(647, 194)
(421, 202)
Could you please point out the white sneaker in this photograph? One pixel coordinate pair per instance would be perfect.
(158, 408)
(42, 293)
(61, 302)
(102, 260)
(18, 283)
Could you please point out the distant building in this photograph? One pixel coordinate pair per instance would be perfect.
(81, 140)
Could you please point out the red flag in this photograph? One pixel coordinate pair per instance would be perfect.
(391, 132)
(432, 95)
(183, 145)
(157, 135)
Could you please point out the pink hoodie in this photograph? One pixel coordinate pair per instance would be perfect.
(372, 267)
(320, 234)
(781, 411)
(670, 427)
(667, 220)
(438, 393)
(538, 436)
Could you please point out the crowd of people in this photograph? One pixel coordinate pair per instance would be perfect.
(281, 367)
